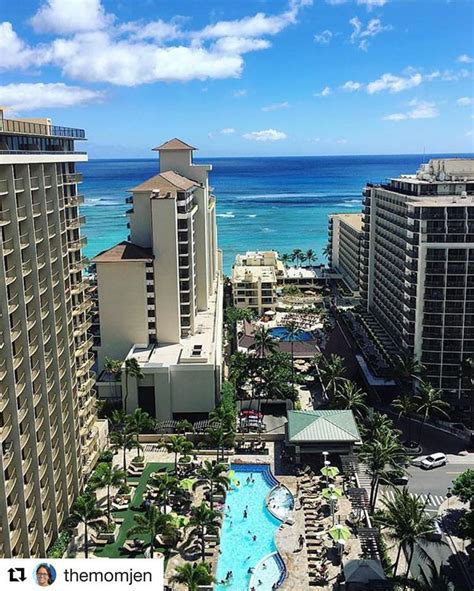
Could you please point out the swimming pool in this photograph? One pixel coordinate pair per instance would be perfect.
(247, 544)
(283, 334)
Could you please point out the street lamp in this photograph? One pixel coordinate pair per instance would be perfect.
(449, 494)
(327, 463)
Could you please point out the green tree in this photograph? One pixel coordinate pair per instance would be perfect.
(264, 342)
(139, 422)
(463, 487)
(123, 441)
(104, 476)
(215, 475)
(311, 256)
(407, 370)
(430, 403)
(285, 259)
(350, 397)
(85, 511)
(406, 405)
(406, 523)
(294, 332)
(118, 420)
(332, 371)
(132, 369)
(165, 484)
(113, 368)
(205, 521)
(382, 454)
(433, 579)
(296, 256)
(178, 445)
(220, 438)
(240, 365)
(193, 575)
(466, 526)
(153, 523)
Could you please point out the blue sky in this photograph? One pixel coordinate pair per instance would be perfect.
(253, 77)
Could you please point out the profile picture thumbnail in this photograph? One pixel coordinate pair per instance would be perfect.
(44, 574)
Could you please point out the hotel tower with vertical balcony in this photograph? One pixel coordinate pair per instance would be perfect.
(417, 275)
(49, 437)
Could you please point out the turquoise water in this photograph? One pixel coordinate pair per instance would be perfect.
(239, 551)
(282, 334)
(262, 203)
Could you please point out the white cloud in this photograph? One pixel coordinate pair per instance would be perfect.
(341, 141)
(255, 26)
(469, 133)
(324, 37)
(372, 3)
(240, 93)
(465, 59)
(239, 45)
(419, 110)
(335, 2)
(393, 83)
(227, 130)
(265, 135)
(29, 97)
(361, 35)
(351, 86)
(92, 46)
(14, 53)
(70, 16)
(465, 101)
(94, 57)
(326, 91)
(276, 106)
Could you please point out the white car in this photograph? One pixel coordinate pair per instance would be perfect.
(433, 461)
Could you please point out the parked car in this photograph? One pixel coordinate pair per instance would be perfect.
(417, 461)
(433, 461)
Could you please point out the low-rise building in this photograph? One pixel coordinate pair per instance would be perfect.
(345, 240)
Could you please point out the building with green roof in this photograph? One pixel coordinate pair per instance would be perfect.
(315, 431)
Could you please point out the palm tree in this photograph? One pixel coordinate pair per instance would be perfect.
(296, 255)
(381, 454)
(178, 444)
(430, 402)
(293, 331)
(221, 416)
(375, 425)
(118, 420)
(239, 364)
(105, 476)
(132, 369)
(311, 256)
(332, 372)
(214, 475)
(205, 520)
(285, 259)
(406, 523)
(407, 370)
(85, 511)
(113, 368)
(264, 342)
(193, 575)
(406, 405)
(123, 440)
(220, 438)
(350, 397)
(165, 484)
(153, 523)
(434, 580)
(327, 250)
(138, 422)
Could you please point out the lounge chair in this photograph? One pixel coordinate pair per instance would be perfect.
(97, 541)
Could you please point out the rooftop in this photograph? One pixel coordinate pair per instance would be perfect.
(38, 127)
(241, 273)
(174, 144)
(166, 183)
(124, 251)
(153, 356)
(305, 426)
(300, 273)
(351, 219)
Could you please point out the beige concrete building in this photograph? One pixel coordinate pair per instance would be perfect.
(254, 280)
(418, 270)
(49, 436)
(160, 293)
(345, 241)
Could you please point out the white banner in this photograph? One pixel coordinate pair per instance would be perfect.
(119, 574)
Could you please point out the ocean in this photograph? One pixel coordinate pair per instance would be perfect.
(262, 203)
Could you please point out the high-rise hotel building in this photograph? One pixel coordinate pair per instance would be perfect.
(49, 437)
(418, 270)
(160, 293)
(345, 240)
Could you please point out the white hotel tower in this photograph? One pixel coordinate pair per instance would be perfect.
(49, 435)
(160, 293)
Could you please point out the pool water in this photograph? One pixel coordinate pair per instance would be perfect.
(283, 334)
(239, 552)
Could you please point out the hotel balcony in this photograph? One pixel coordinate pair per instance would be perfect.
(74, 200)
(17, 127)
